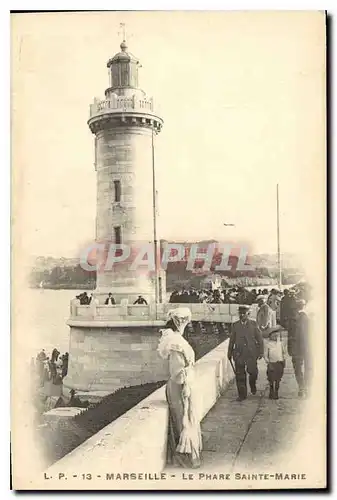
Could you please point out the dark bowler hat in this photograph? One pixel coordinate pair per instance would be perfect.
(244, 308)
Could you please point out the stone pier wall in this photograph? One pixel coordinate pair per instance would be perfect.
(137, 440)
(105, 359)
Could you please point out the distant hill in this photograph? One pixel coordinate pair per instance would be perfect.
(288, 261)
(51, 262)
(66, 272)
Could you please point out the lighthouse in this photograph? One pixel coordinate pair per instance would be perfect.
(125, 126)
(114, 346)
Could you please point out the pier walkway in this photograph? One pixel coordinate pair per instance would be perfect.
(246, 436)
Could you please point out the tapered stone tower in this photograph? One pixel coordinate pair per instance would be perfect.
(113, 346)
(125, 126)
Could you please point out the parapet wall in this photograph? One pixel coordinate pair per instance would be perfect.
(136, 441)
(220, 313)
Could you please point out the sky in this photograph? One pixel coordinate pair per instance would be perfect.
(242, 96)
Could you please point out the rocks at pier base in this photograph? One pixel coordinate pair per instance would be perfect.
(92, 397)
(63, 413)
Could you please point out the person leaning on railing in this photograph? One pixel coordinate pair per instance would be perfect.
(140, 301)
(110, 300)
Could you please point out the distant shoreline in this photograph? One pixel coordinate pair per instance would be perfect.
(170, 289)
(72, 286)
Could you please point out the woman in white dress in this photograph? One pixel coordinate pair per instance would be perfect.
(184, 437)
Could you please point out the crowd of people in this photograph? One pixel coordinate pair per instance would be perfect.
(241, 296)
(272, 338)
(279, 331)
(236, 295)
(51, 368)
(267, 337)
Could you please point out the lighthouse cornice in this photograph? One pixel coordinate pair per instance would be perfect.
(116, 118)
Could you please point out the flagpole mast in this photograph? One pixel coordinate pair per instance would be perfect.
(278, 240)
(154, 224)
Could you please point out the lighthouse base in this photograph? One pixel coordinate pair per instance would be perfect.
(104, 359)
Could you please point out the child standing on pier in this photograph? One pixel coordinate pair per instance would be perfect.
(274, 355)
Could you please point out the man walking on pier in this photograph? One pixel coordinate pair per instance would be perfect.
(300, 350)
(246, 347)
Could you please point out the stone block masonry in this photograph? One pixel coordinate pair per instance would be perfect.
(136, 442)
(105, 359)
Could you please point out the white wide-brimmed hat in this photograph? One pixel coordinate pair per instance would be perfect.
(180, 312)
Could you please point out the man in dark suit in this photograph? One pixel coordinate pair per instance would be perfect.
(246, 347)
(110, 300)
(300, 352)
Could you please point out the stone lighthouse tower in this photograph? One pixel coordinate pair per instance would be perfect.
(125, 126)
(113, 346)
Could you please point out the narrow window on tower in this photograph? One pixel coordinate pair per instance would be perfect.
(118, 238)
(117, 191)
(125, 74)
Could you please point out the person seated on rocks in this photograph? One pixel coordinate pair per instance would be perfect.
(60, 403)
(75, 400)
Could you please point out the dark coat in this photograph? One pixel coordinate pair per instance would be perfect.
(288, 310)
(140, 301)
(245, 340)
(300, 342)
